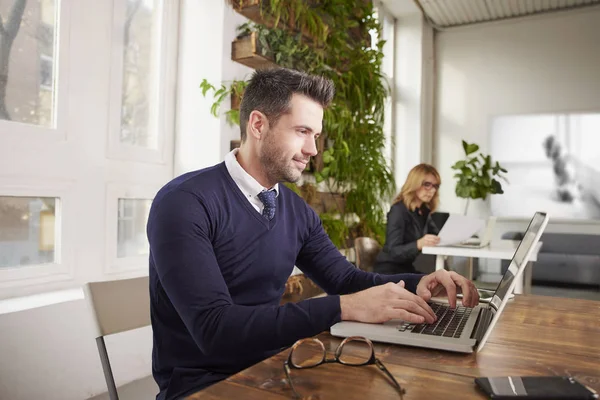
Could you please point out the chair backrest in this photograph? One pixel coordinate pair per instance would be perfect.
(439, 218)
(366, 249)
(119, 305)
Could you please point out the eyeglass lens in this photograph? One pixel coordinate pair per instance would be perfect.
(429, 185)
(355, 352)
(308, 353)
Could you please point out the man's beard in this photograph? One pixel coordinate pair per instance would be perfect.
(274, 162)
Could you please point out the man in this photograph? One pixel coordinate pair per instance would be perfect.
(224, 240)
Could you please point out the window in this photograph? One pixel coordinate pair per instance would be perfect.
(46, 67)
(27, 231)
(140, 67)
(127, 210)
(131, 232)
(141, 32)
(27, 94)
(91, 143)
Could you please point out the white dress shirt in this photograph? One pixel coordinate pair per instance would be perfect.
(245, 182)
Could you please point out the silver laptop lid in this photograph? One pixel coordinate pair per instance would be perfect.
(515, 269)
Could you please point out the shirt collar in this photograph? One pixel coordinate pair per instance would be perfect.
(244, 180)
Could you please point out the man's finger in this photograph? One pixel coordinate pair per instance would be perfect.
(406, 295)
(401, 284)
(399, 313)
(448, 283)
(423, 304)
(470, 295)
(413, 308)
(424, 293)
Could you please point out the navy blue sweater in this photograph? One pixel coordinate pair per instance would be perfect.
(217, 274)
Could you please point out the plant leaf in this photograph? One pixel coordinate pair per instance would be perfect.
(459, 165)
(470, 148)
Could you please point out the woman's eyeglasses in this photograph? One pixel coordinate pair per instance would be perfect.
(429, 185)
(310, 353)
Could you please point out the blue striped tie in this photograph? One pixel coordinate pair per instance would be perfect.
(268, 199)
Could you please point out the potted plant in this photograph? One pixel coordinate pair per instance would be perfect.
(477, 175)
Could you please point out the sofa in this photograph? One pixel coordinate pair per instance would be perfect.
(565, 259)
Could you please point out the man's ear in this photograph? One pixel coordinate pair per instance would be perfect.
(258, 124)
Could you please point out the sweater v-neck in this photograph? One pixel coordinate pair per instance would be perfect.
(269, 224)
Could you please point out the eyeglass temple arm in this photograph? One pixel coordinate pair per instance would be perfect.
(286, 368)
(394, 381)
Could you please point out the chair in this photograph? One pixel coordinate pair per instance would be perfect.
(439, 218)
(117, 306)
(366, 250)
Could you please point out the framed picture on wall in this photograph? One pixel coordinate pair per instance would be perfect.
(553, 163)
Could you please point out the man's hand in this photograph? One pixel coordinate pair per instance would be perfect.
(442, 282)
(427, 240)
(382, 303)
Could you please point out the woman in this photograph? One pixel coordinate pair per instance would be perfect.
(409, 224)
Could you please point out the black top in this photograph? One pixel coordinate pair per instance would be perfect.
(404, 228)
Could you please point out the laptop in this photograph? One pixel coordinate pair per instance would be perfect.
(461, 329)
(483, 240)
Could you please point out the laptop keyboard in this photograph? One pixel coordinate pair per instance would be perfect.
(450, 322)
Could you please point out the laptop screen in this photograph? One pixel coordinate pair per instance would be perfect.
(528, 240)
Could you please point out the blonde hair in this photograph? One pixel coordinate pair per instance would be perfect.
(416, 176)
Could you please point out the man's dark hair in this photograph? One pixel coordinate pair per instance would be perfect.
(270, 92)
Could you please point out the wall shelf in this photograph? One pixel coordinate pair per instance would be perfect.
(251, 10)
(247, 51)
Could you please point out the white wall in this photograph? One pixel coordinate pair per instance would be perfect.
(542, 64)
(207, 31)
(230, 71)
(49, 352)
(413, 91)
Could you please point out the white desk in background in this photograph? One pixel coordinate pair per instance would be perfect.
(497, 249)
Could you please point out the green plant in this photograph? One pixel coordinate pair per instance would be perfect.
(336, 229)
(353, 160)
(236, 88)
(296, 16)
(284, 48)
(477, 175)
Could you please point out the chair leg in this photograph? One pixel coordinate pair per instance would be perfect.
(108, 376)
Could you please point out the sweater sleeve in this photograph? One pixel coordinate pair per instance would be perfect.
(321, 261)
(180, 232)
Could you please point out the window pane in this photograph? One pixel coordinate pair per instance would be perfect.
(131, 231)
(27, 229)
(28, 61)
(141, 65)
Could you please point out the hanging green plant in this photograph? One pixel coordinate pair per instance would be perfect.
(352, 161)
(235, 88)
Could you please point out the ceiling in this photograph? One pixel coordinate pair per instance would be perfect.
(449, 13)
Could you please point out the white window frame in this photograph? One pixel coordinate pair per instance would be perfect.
(16, 131)
(162, 107)
(72, 162)
(114, 191)
(62, 267)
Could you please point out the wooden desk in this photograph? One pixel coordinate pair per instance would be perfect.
(497, 249)
(536, 335)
